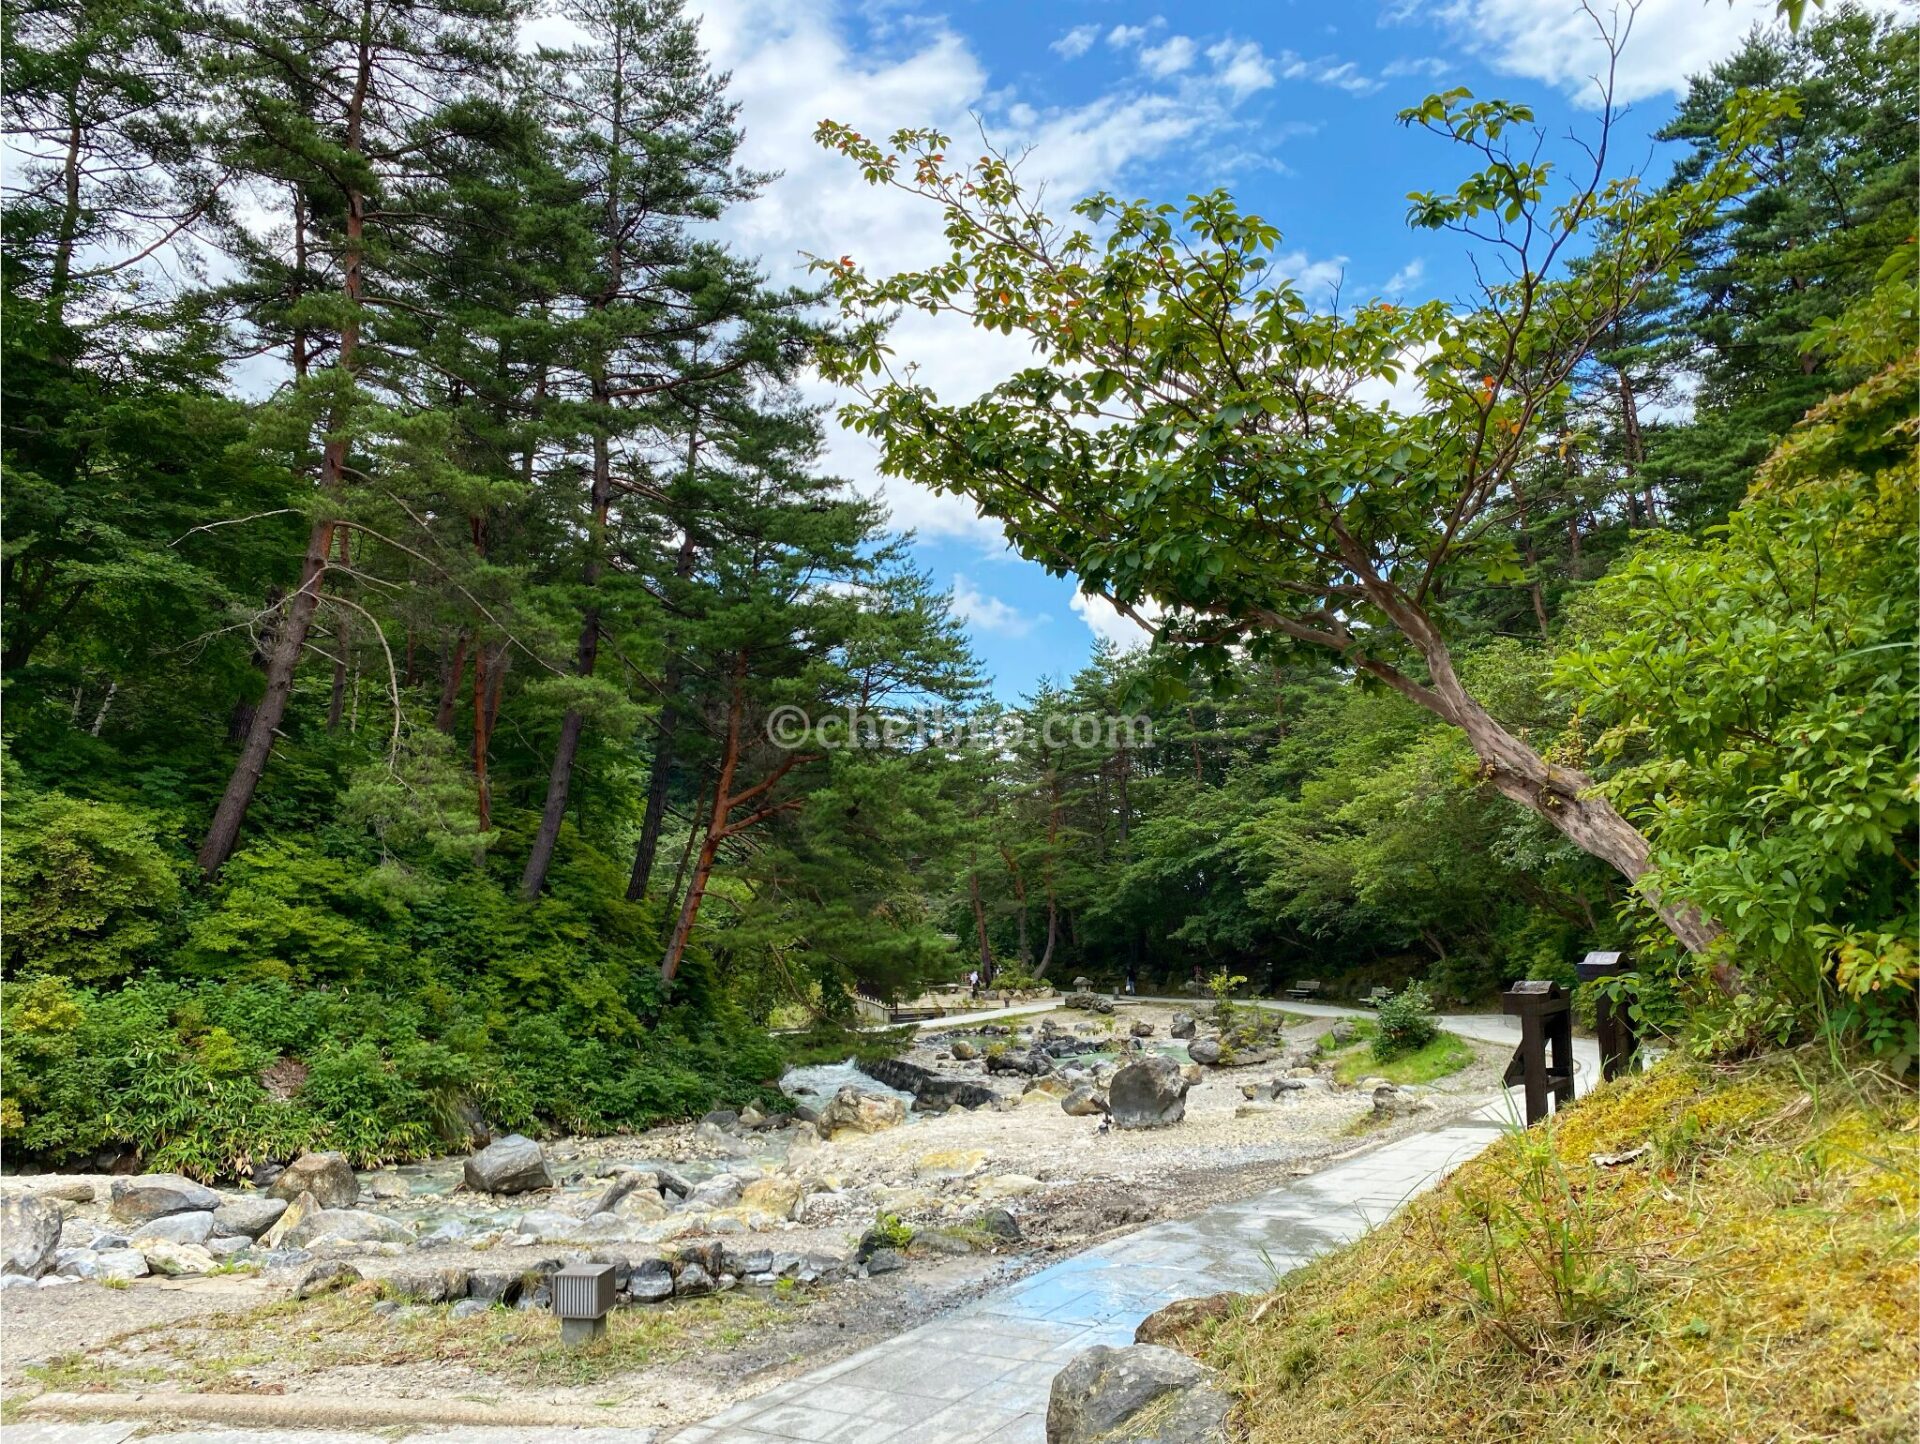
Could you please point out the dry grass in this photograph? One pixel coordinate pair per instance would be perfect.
(288, 1339)
(1749, 1274)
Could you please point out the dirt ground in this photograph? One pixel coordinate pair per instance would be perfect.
(1069, 1182)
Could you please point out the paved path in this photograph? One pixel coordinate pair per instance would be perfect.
(984, 1373)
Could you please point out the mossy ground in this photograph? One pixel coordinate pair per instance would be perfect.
(1446, 1054)
(1740, 1268)
(230, 1351)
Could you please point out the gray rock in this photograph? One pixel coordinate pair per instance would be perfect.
(324, 1278)
(650, 1281)
(513, 1165)
(626, 1181)
(446, 1232)
(155, 1195)
(1000, 1224)
(1183, 1025)
(388, 1186)
(327, 1176)
(29, 1235)
(435, 1286)
(693, 1281)
(1204, 1050)
(1141, 1028)
(674, 1182)
(176, 1228)
(226, 1248)
(1083, 1102)
(346, 1225)
(964, 1051)
(87, 1263)
(886, 1261)
(468, 1309)
(1142, 1393)
(1339, 1035)
(717, 1192)
(494, 1286)
(1148, 1093)
(249, 1216)
(16, 1281)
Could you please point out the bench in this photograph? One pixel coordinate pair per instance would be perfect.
(1304, 991)
(1375, 998)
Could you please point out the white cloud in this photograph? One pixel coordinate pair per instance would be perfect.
(1404, 279)
(1121, 36)
(1076, 42)
(1430, 66)
(1241, 66)
(1103, 620)
(1175, 54)
(989, 613)
(1556, 42)
(1326, 70)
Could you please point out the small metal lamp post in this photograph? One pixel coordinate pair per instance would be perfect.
(1546, 1015)
(1611, 1026)
(582, 1294)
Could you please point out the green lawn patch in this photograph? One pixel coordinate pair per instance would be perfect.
(1445, 1054)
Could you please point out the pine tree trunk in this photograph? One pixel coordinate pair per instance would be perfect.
(716, 829)
(224, 831)
(560, 777)
(342, 642)
(289, 641)
(980, 928)
(450, 683)
(660, 772)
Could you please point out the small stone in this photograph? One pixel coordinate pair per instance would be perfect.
(1204, 1050)
(346, 1225)
(852, 1111)
(388, 1186)
(943, 1163)
(226, 1248)
(436, 1286)
(324, 1278)
(468, 1309)
(693, 1281)
(327, 1176)
(180, 1258)
(964, 1051)
(1141, 1028)
(1183, 1025)
(1083, 1102)
(650, 1281)
(999, 1224)
(886, 1261)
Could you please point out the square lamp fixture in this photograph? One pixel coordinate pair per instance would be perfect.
(582, 1294)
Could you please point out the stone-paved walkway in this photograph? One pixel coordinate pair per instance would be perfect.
(984, 1373)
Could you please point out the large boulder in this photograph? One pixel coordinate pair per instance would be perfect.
(29, 1235)
(107, 1263)
(513, 1165)
(852, 1111)
(1183, 1025)
(327, 1176)
(176, 1228)
(155, 1195)
(1149, 1093)
(247, 1216)
(1143, 1393)
(346, 1225)
(1204, 1050)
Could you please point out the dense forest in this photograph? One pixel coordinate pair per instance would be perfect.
(414, 532)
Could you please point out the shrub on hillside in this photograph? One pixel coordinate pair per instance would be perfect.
(1406, 1023)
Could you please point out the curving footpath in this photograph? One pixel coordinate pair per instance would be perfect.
(984, 1372)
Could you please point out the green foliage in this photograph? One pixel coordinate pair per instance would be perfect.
(88, 890)
(1405, 1023)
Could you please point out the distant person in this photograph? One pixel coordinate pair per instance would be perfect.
(973, 983)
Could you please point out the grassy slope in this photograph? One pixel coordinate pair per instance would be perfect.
(1749, 1275)
(1445, 1054)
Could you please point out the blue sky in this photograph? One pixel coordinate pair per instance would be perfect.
(1291, 105)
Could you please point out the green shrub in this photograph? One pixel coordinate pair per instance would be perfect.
(1406, 1023)
(87, 889)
